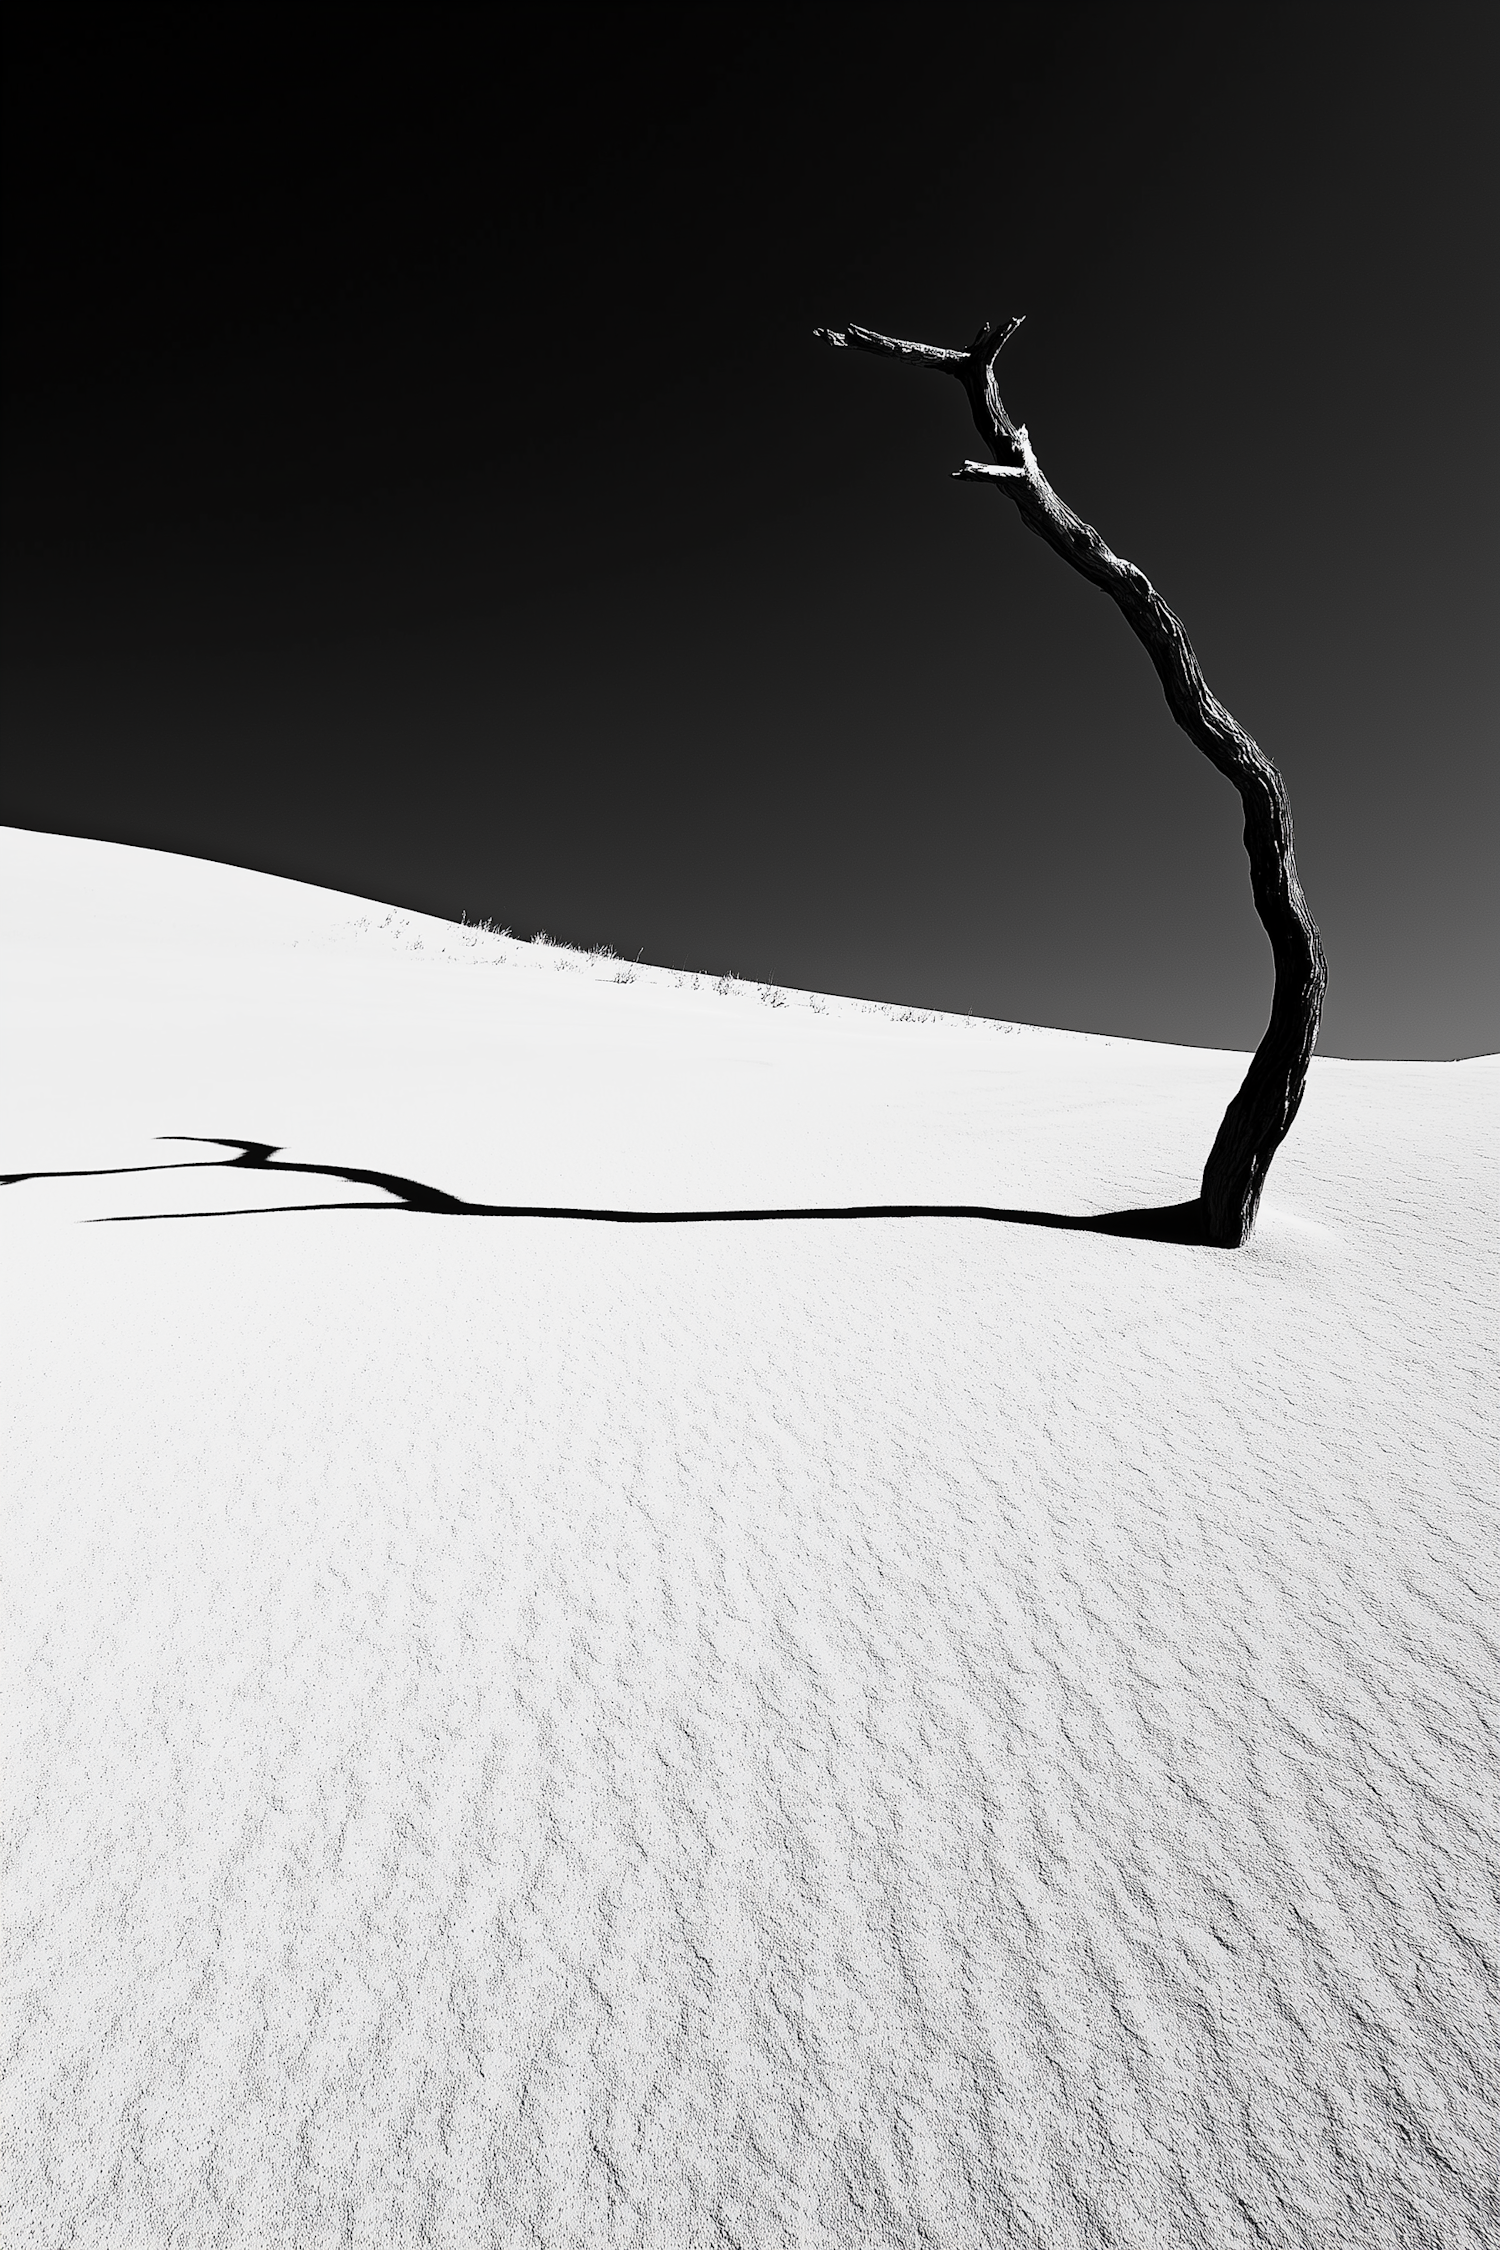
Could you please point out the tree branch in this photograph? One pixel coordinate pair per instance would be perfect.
(891, 347)
(992, 340)
(1261, 1113)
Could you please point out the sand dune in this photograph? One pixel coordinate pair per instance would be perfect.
(892, 1730)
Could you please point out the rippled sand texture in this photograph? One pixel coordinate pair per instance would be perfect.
(895, 1731)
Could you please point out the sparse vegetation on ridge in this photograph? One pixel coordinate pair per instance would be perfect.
(487, 943)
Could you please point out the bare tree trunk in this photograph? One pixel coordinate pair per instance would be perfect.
(1259, 1117)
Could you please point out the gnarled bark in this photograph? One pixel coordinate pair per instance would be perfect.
(1261, 1113)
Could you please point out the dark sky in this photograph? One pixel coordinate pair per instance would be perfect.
(421, 478)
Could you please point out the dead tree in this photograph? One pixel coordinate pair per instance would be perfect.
(1260, 1115)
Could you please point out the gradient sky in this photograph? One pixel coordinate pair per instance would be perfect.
(421, 478)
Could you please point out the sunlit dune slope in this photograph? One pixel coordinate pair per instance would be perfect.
(808, 1730)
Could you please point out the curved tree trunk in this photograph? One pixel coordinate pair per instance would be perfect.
(1258, 1119)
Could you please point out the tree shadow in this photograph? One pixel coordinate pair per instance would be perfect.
(1173, 1222)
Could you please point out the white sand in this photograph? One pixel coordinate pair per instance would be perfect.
(889, 1731)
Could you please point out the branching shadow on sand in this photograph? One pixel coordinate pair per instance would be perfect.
(1172, 1222)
